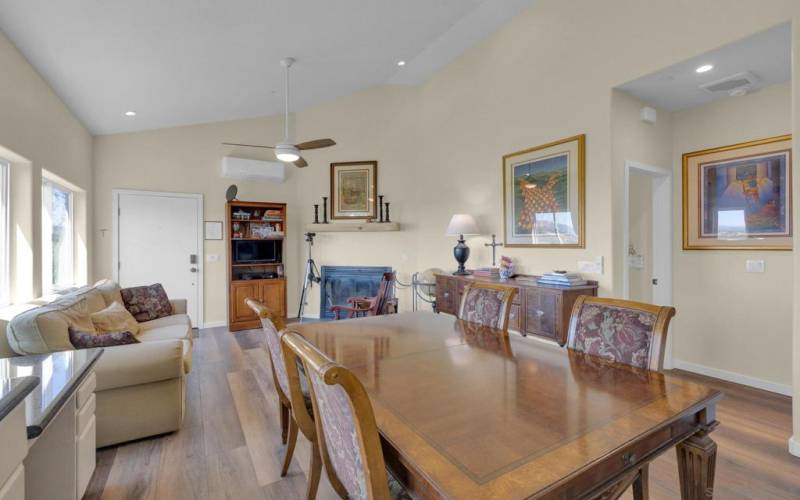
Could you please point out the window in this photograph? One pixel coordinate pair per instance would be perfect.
(57, 236)
(5, 235)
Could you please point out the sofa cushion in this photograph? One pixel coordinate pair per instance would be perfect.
(84, 340)
(115, 318)
(109, 290)
(175, 319)
(94, 299)
(127, 365)
(174, 332)
(46, 328)
(146, 302)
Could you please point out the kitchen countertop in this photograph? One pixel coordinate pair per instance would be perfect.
(60, 374)
(13, 391)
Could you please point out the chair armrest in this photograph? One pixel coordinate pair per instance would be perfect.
(178, 306)
(135, 364)
(337, 310)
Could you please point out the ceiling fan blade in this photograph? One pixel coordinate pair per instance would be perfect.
(248, 145)
(316, 144)
(300, 162)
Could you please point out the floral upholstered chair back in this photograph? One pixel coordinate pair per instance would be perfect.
(624, 331)
(486, 304)
(346, 428)
(272, 324)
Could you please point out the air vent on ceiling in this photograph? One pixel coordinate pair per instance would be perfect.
(737, 84)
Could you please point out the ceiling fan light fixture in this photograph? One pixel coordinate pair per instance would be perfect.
(287, 153)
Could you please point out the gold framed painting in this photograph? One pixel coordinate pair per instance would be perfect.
(544, 195)
(739, 197)
(354, 187)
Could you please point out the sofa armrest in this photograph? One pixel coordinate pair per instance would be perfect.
(135, 364)
(178, 306)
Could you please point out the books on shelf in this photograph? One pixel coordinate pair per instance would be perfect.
(486, 272)
(561, 279)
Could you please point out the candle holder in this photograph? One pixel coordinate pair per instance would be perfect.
(380, 207)
(324, 209)
(388, 219)
(316, 213)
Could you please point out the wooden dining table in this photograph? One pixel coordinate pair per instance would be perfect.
(466, 411)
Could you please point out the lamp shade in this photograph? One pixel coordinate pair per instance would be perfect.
(462, 224)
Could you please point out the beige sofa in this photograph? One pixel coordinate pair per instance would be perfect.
(141, 387)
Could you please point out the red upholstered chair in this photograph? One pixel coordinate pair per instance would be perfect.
(623, 331)
(346, 429)
(486, 304)
(382, 303)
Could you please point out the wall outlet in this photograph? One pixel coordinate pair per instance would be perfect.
(591, 266)
(754, 266)
(212, 257)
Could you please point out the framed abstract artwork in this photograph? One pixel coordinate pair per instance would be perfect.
(354, 187)
(739, 197)
(544, 195)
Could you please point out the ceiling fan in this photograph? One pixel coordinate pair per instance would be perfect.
(286, 152)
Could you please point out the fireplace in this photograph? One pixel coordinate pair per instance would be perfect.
(338, 283)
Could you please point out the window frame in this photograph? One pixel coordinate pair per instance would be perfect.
(5, 232)
(47, 257)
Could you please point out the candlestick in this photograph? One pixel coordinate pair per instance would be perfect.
(380, 207)
(316, 213)
(387, 213)
(324, 209)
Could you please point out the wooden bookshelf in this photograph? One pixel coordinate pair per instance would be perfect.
(263, 280)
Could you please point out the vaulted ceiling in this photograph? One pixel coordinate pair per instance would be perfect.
(180, 62)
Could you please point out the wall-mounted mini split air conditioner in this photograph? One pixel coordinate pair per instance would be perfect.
(253, 170)
(733, 85)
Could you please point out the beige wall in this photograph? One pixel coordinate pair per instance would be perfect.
(728, 319)
(38, 132)
(544, 76)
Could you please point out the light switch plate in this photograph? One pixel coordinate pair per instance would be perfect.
(754, 266)
(591, 266)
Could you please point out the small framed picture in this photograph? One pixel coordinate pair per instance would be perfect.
(739, 197)
(354, 187)
(213, 230)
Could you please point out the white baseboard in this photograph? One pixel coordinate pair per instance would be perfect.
(311, 316)
(214, 324)
(794, 446)
(737, 378)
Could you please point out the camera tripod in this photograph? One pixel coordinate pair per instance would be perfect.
(311, 277)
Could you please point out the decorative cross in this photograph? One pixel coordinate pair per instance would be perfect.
(494, 246)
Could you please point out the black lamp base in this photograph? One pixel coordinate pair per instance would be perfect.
(461, 253)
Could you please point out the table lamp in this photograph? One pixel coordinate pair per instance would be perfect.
(460, 225)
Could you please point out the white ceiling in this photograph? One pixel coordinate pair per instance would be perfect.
(768, 55)
(178, 62)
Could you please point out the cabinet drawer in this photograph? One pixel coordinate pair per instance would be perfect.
(541, 312)
(86, 390)
(513, 318)
(85, 456)
(14, 487)
(85, 415)
(13, 442)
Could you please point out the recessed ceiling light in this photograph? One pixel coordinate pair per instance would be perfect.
(704, 68)
(401, 63)
(130, 113)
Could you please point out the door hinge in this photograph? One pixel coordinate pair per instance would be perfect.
(119, 211)
(119, 265)
(655, 281)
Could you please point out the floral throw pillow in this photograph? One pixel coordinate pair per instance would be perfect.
(84, 340)
(146, 303)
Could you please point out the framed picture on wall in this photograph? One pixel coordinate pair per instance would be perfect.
(354, 187)
(739, 197)
(544, 195)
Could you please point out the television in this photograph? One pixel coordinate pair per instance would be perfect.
(257, 252)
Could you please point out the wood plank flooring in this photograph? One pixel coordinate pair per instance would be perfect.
(230, 447)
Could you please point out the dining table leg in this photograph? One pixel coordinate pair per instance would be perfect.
(697, 457)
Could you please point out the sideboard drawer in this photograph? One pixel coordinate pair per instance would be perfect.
(541, 313)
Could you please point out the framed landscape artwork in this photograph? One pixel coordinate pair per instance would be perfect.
(354, 187)
(543, 195)
(739, 197)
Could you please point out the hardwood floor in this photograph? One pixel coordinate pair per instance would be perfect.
(230, 446)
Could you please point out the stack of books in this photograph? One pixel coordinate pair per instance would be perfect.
(561, 279)
(487, 272)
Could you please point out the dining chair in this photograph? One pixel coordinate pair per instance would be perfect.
(623, 331)
(295, 401)
(346, 429)
(382, 303)
(487, 304)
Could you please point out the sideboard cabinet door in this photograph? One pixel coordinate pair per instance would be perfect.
(542, 310)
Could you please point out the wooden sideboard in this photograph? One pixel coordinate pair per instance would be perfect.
(540, 310)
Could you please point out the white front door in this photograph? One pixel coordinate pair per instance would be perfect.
(159, 240)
